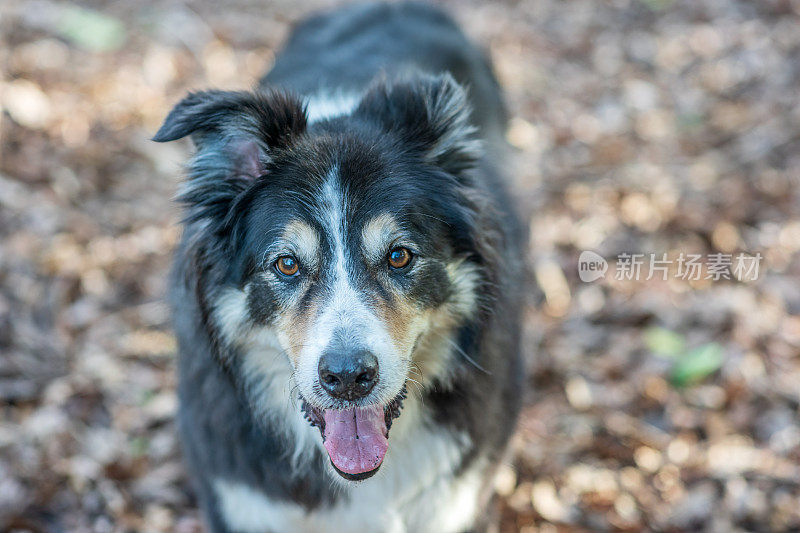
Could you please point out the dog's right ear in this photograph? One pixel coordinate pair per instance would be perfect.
(234, 133)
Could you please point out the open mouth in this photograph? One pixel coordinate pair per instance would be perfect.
(356, 438)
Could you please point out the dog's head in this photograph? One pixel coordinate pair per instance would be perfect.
(350, 243)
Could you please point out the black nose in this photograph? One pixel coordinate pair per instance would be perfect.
(348, 374)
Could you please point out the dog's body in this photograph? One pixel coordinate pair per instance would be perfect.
(341, 263)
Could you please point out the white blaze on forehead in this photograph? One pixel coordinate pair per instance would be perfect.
(345, 311)
(377, 235)
(334, 206)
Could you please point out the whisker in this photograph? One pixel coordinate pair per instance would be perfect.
(468, 358)
(461, 351)
(433, 217)
(417, 388)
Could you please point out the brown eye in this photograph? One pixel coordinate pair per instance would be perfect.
(399, 257)
(287, 265)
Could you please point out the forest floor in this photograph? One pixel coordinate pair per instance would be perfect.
(639, 127)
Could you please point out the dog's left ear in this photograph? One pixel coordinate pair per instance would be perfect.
(431, 114)
(234, 133)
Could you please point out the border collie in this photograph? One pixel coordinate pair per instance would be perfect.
(347, 292)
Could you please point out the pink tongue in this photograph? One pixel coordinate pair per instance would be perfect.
(356, 438)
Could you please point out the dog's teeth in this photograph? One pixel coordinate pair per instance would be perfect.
(309, 414)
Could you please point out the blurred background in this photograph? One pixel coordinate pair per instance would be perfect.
(639, 126)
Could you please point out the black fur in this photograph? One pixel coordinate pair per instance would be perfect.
(430, 115)
(409, 146)
(234, 132)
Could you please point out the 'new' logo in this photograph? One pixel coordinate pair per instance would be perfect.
(591, 266)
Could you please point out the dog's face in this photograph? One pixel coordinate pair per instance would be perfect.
(349, 241)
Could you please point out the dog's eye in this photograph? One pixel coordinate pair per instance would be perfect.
(399, 257)
(287, 265)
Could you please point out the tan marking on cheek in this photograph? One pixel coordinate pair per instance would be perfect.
(434, 342)
(294, 328)
(399, 321)
(377, 235)
(405, 321)
(435, 345)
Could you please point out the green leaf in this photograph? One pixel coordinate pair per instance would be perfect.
(139, 446)
(657, 5)
(664, 342)
(91, 30)
(690, 121)
(146, 397)
(697, 364)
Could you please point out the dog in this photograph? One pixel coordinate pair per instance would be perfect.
(347, 291)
